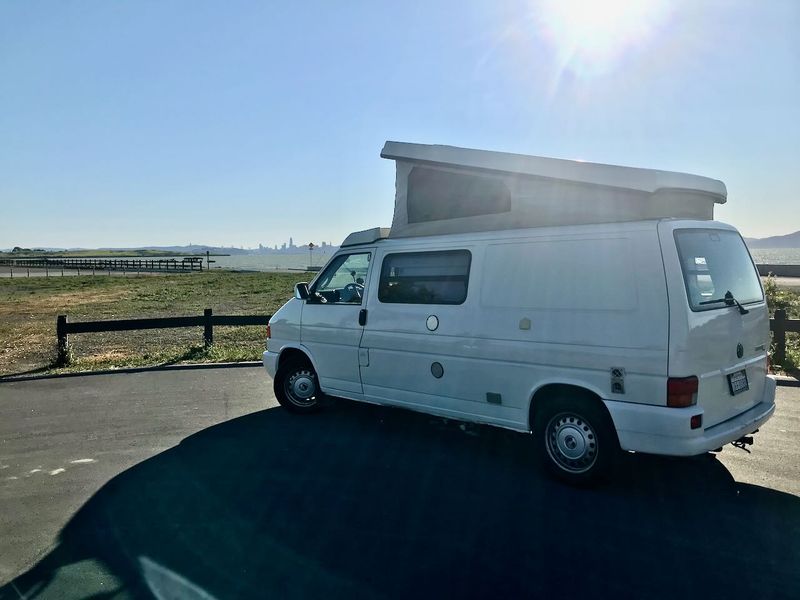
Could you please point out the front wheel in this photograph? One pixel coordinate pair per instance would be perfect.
(296, 387)
(576, 440)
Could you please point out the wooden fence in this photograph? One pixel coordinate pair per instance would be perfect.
(207, 321)
(778, 270)
(779, 326)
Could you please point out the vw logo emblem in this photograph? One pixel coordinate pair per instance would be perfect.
(739, 351)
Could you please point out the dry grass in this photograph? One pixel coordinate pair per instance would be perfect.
(29, 307)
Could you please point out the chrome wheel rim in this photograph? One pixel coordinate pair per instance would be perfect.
(301, 388)
(571, 442)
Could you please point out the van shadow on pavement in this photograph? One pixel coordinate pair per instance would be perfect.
(363, 501)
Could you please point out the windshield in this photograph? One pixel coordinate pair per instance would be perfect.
(715, 262)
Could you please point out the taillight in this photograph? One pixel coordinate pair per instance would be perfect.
(269, 332)
(681, 391)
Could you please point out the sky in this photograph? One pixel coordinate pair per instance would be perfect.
(239, 123)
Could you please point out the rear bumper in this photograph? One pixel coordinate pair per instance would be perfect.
(662, 430)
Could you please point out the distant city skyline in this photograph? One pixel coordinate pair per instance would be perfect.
(127, 124)
(322, 246)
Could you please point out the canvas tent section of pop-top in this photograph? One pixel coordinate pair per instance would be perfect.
(443, 189)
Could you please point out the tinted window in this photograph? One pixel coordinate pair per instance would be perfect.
(434, 195)
(425, 277)
(716, 262)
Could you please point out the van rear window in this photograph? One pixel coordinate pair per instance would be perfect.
(425, 277)
(715, 262)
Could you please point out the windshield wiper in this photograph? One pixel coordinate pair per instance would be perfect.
(729, 300)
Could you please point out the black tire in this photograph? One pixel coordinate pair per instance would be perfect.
(575, 439)
(296, 386)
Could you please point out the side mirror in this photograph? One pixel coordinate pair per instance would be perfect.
(301, 291)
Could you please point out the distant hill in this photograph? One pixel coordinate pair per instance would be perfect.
(791, 240)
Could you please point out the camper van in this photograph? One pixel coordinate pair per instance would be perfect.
(600, 308)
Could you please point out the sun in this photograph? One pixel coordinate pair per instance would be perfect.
(593, 36)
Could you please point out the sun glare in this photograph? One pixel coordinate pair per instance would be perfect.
(592, 37)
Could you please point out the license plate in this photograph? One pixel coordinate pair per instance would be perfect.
(737, 382)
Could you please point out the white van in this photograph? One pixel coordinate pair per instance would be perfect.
(636, 330)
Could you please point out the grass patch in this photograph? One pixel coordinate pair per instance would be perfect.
(29, 307)
(172, 355)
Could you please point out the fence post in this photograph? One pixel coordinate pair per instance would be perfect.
(779, 335)
(63, 341)
(208, 330)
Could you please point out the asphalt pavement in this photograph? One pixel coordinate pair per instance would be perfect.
(194, 484)
(62, 439)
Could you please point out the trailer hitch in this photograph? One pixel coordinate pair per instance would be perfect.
(743, 442)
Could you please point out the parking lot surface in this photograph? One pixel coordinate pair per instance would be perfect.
(194, 484)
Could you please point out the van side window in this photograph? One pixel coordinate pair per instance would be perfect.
(425, 277)
(343, 280)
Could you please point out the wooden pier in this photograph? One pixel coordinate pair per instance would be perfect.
(131, 265)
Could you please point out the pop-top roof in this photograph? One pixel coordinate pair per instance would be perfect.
(443, 189)
(646, 180)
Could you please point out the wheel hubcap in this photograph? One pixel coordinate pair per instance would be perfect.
(301, 388)
(571, 442)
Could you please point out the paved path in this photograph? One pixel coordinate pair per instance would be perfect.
(792, 283)
(192, 484)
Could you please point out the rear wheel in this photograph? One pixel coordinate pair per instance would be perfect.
(296, 386)
(576, 439)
